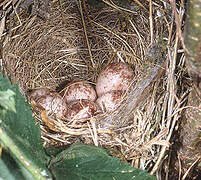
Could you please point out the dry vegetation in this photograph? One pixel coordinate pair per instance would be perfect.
(76, 41)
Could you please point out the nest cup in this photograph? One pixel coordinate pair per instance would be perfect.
(58, 50)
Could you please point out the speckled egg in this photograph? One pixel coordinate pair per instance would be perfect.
(37, 93)
(114, 77)
(79, 90)
(81, 109)
(109, 101)
(49, 100)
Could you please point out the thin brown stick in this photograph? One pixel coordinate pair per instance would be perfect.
(2, 26)
(151, 21)
(189, 169)
(85, 33)
(140, 39)
(179, 161)
(171, 89)
(3, 3)
(178, 21)
(113, 5)
(140, 4)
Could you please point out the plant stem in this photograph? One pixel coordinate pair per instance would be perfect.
(8, 143)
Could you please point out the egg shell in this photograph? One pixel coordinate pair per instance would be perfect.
(79, 90)
(114, 77)
(109, 101)
(52, 102)
(37, 93)
(81, 109)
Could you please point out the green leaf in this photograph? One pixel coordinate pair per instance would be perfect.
(81, 150)
(7, 100)
(86, 162)
(20, 134)
(53, 151)
(5, 172)
(10, 170)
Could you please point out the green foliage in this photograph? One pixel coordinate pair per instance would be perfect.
(24, 157)
(22, 124)
(11, 169)
(82, 161)
(6, 175)
(19, 133)
(7, 100)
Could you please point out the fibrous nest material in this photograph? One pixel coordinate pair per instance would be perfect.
(75, 43)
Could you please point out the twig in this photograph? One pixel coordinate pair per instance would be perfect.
(138, 34)
(2, 26)
(179, 161)
(94, 131)
(151, 21)
(17, 18)
(85, 33)
(171, 90)
(178, 20)
(85, 8)
(186, 173)
(4, 2)
(113, 5)
(140, 4)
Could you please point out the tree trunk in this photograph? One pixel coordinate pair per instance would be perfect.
(192, 42)
(190, 152)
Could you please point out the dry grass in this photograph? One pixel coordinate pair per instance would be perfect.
(76, 44)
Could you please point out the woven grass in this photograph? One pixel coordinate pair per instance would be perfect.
(76, 42)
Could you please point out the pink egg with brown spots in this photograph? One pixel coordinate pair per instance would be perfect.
(109, 101)
(49, 100)
(37, 93)
(114, 77)
(79, 90)
(81, 109)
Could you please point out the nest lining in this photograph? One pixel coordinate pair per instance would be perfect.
(50, 53)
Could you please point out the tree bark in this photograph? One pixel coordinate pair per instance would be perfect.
(192, 42)
(191, 134)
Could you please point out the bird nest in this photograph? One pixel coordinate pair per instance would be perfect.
(74, 43)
